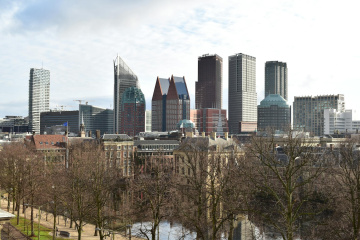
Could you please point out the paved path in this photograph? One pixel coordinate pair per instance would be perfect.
(88, 229)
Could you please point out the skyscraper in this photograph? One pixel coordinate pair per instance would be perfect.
(276, 79)
(132, 112)
(170, 103)
(242, 93)
(123, 79)
(158, 105)
(208, 88)
(39, 96)
(274, 113)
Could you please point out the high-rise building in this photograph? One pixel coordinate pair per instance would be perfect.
(96, 118)
(123, 79)
(210, 120)
(148, 121)
(242, 93)
(58, 118)
(170, 103)
(274, 113)
(309, 112)
(39, 96)
(132, 112)
(276, 79)
(177, 103)
(208, 88)
(158, 105)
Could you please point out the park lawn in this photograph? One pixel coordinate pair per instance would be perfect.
(44, 231)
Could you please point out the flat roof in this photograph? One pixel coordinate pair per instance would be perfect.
(5, 215)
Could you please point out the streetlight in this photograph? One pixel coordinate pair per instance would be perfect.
(39, 216)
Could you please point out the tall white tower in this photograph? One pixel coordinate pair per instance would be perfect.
(242, 93)
(39, 97)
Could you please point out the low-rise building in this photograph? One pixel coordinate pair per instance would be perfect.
(121, 148)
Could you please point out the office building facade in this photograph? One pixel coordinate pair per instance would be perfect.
(132, 112)
(148, 121)
(59, 118)
(39, 97)
(210, 120)
(274, 113)
(242, 92)
(336, 122)
(170, 103)
(309, 112)
(96, 118)
(208, 88)
(276, 79)
(158, 105)
(124, 78)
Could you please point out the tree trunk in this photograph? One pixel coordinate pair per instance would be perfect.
(79, 229)
(231, 230)
(32, 217)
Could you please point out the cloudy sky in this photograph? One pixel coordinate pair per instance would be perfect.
(78, 40)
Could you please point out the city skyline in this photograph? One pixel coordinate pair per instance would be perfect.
(78, 49)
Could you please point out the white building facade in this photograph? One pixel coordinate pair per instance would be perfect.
(337, 122)
(242, 91)
(39, 97)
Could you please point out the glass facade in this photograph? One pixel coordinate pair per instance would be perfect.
(123, 79)
(274, 113)
(208, 88)
(96, 118)
(276, 79)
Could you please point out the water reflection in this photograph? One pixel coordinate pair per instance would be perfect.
(244, 229)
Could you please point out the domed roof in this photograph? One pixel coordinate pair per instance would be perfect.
(185, 123)
(274, 99)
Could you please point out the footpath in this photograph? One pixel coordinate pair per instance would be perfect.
(62, 225)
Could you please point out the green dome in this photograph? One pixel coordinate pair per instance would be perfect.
(185, 123)
(274, 99)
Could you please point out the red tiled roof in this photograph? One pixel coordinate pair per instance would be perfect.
(49, 141)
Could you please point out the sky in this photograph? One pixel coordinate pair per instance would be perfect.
(78, 41)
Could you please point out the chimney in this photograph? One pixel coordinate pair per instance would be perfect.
(226, 135)
(89, 133)
(213, 135)
(97, 134)
(203, 134)
(33, 133)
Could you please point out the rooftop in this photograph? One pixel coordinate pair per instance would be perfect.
(49, 141)
(274, 99)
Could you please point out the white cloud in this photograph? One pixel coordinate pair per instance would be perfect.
(77, 42)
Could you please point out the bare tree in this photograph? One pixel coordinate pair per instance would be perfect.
(343, 219)
(204, 186)
(78, 184)
(12, 161)
(285, 176)
(152, 190)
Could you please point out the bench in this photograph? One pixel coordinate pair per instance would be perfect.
(64, 234)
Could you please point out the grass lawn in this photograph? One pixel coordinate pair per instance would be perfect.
(44, 231)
